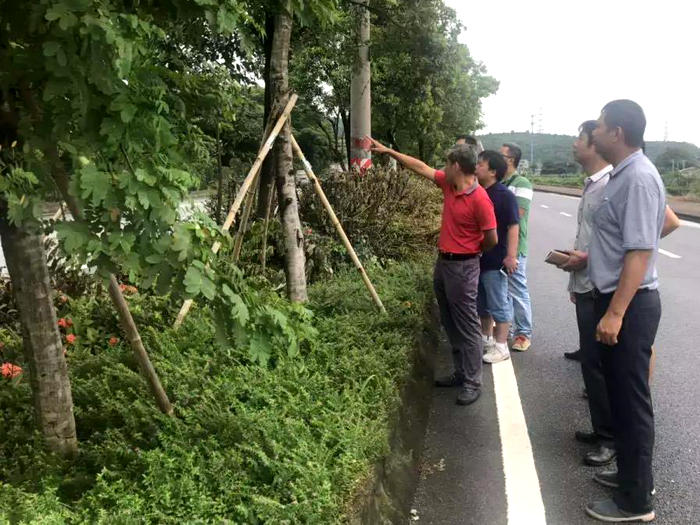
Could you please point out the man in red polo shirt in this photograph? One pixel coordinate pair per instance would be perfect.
(468, 228)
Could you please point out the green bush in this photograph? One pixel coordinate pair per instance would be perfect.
(567, 181)
(291, 442)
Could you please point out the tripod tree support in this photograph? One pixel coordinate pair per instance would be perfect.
(339, 228)
(243, 191)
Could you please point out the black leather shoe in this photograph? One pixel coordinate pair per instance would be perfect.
(607, 478)
(449, 381)
(468, 395)
(608, 511)
(601, 457)
(589, 438)
(574, 356)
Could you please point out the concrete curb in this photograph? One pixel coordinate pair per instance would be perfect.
(687, 210)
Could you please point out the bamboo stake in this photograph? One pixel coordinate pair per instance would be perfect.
(245, 216)
(339, 228)
(131, 330)
(139, 350)
(243, 191)
(268, 209)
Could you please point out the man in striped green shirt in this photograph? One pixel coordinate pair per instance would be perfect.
(519, 293)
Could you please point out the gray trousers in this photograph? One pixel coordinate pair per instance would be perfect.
(456, 285)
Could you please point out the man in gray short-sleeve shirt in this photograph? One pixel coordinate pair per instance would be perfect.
(633, 197)
(627, 226)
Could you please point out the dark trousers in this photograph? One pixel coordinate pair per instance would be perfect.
(592, 368)
(456, 285)
(626, 370)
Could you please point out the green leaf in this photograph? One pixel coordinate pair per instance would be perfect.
(143, 176)
(94, 182)
(127, 113)
(50, 48)
(208, 288)
(239, 310)
(259, 349)
(73, 235)
(193, 281)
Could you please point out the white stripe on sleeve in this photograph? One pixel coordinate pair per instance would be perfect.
(525, 193)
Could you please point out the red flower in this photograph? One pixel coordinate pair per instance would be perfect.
(309, 231)
(113, 341)
(70, 339)
(9, 370)
(69, 322)
(63, 323)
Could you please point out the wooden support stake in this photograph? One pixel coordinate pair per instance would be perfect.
(268, 209)
(243, 190)
(130, 329)
(245, 216)
(339, 228)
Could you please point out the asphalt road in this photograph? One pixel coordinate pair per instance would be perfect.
(463, 480)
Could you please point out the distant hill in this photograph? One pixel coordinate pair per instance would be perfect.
(553, 152)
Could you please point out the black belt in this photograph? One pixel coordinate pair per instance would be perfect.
(595, 293)
(458, 256)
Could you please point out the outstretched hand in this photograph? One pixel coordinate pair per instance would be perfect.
(376, 146)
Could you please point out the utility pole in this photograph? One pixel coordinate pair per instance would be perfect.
(360, 93)
(532, 142)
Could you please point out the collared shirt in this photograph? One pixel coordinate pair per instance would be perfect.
(630, 217)
(465, 216)
(506, 207)
(593, 187)
(522, 188)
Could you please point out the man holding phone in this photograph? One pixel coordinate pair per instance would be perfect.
(497, 264)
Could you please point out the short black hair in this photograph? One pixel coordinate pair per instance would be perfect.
(515, 152)
(587, 127)
(496, 162)
(629, 116)
(468, 139)
(465, 156)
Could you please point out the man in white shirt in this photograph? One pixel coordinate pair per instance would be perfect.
(581, 290)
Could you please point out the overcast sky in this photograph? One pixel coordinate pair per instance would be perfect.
(565, 60)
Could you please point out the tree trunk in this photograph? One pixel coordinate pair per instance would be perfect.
(267, 172)
(43, 349)
(219, 171)
(286, 188)
(360, 93)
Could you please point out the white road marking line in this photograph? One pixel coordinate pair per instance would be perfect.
(570, 197)
(669, 254)
(543, 206)
(690, 224)
(565, 214)
(523, 495)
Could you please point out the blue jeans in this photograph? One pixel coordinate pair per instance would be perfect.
(520, 300)
(493, 297)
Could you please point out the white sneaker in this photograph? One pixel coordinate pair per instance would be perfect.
(497, 353)
(489, 344)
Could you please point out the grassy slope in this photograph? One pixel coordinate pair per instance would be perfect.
(285, 444)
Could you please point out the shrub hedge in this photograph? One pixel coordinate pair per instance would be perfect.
(291, 442)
